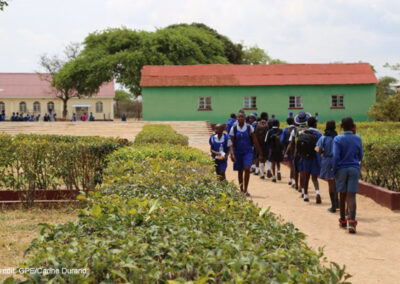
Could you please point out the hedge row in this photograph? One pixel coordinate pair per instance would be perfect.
(161, 134)
(161, 216)
(30, 162)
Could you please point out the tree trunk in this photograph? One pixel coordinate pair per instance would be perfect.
(65, 108)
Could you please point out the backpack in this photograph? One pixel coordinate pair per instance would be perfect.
(261, 130)
(287, 135)
(306, 142)
(248, 130)
(276, 142)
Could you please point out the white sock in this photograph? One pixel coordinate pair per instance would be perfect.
(302, 190)
(279, 172)
(293, 181)
(253, 166)
(317, 191)
(262, 168)
(256, 170)
(269, 165)
(305, 196)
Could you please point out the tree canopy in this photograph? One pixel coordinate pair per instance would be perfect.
(3, 4)
(384, 88)
(120, 54)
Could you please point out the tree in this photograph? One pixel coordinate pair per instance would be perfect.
(386, 110)
(121, 53)
(383, 88)
(64, 89)
(121, 96)
(3, 4)
(254, 55)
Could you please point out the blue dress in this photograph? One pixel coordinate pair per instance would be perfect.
(312, 165)
(243, 148)
(325, 143)
(216, 144)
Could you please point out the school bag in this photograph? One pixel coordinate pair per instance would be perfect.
(261, 130)
(306, 142)
(276, 142)
(287, 135)
(248, 131)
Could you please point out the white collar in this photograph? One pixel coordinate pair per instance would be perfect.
(242, 129)
(219, 140)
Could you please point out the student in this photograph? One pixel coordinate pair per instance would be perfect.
(91, 117)
(253, 123)
(230, 122)
(38, 117)
(73, 117)
(290, 153)
(243, 138)
(273, 143)
(123, 117)
(290, 114)
(272, 117)
(260, 132)
(3, 116)
(83, 116)
(220, 144)
(324, 148)
(316, 116)
(346, 161)
(13, 116)
(309, 163)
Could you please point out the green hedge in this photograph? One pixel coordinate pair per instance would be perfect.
(30, 162)
(161, 215)
(161, 134)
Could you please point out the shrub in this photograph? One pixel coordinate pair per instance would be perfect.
(161, 134)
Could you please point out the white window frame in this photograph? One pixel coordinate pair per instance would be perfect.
(295, 102)
(50, 110)
(99, 107)
(250, 102)
(337, 101)
(25, 107)
(205, 103)
(35, 109)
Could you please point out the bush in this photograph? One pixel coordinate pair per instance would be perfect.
(162, 215)
(161, 134)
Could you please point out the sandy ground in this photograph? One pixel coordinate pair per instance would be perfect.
(371, 256)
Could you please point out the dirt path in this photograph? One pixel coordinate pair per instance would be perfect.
(371, 256)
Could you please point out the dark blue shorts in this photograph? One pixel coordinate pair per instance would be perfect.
(243, 160)
(220, 166)
(347, 180)
(310, 165)
(326, 169)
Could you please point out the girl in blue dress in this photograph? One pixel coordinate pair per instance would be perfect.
(220, 144)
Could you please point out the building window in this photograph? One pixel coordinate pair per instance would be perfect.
(204, 103)
(295, 102)
(50, 107)
(250, 103)
(337, 101)
(2, 107)
(36, 107)
(99, 107)
(22, 107)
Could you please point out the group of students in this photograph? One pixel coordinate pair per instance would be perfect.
(252, 142)
(83, 117)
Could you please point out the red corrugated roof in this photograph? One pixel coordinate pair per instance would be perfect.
(31, 85)
(257, 75)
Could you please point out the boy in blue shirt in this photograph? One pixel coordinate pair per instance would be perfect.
(325, 148)
(220, 144)
(243, 139)
(346, 162)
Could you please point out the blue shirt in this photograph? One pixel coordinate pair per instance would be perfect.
(229, 124)
(347, 151)
(325, 143)
(285, 132)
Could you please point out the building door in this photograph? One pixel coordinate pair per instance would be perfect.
(81, 110)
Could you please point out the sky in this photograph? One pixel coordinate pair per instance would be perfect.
(297, 31)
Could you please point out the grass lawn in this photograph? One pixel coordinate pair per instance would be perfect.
(18, 227)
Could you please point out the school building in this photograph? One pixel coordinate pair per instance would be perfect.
(213, 92)
(30, 93)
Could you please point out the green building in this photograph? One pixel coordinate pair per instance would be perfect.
(213, 92)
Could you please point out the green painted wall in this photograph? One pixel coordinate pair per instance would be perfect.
(180, 103)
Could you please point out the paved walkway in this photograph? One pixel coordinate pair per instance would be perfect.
(371, 256)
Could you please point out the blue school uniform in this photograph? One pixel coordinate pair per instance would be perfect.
(312, 165)
(229, 124)
(325, 143)
(243, 148)
(216, 144)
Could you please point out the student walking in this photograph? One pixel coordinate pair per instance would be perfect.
(231, 121)
(220, 144)
(347, 158)
(275, 155)
(260, 132)
(309, 160)
(243, 139)
(286, 133)
(325, 149)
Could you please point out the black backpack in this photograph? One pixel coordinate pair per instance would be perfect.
(306, 142)
(276, 142)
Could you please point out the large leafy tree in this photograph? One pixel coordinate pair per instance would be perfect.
(387, 110)
(384, 89)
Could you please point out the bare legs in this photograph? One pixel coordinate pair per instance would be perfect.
(245, 185)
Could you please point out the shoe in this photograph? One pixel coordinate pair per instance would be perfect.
(352, 226)
(269, 174)
(342, 223)
(252, 170)
(332, 210)
(302, 195)
(306, 199)
(274, 179)
(279, 176)
(262, 177)
(290, 182)
(318, 199)
(247, 193)
(255, 173)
